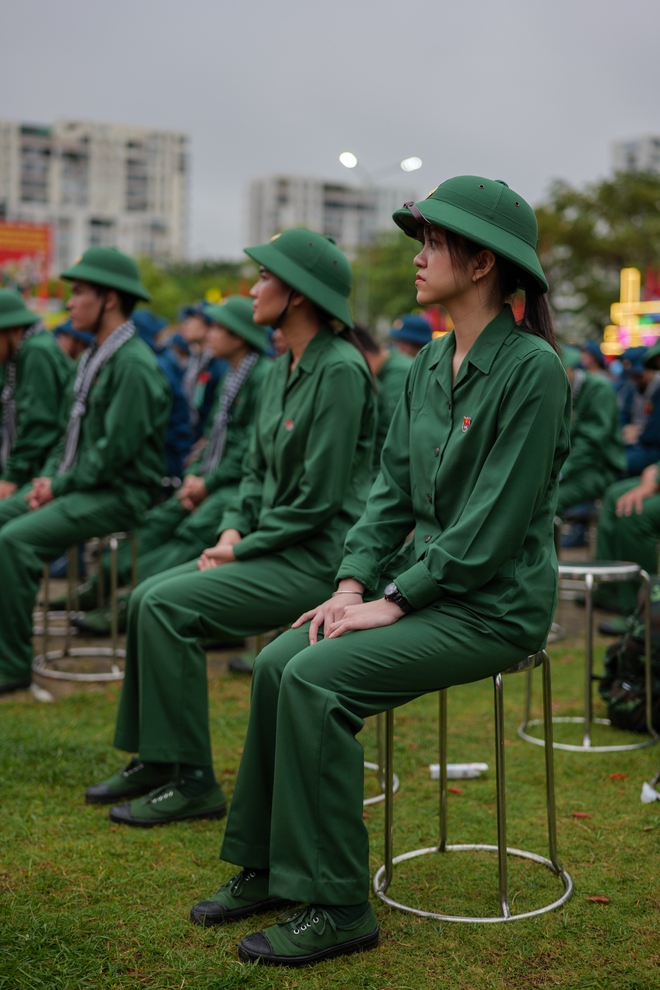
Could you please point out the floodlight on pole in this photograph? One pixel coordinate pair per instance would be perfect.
(348, 159)
(411, 164)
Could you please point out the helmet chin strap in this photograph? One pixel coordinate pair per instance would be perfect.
(278, 322)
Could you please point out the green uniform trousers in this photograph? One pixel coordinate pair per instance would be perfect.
(587, 486)
(14, 506)
(297, 806)
(163, 711)
(35, 538)
(171, 536)
(632, 538)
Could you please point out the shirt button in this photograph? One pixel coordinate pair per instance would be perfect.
(430, 498)
(427, 539)
(436, 451)
(449, 405)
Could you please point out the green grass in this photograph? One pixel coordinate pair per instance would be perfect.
(85, 904)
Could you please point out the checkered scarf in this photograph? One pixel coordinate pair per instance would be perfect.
(218, 437)
(9, 419)
(93, 360)
(196, 365)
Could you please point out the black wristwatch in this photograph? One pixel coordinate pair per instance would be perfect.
(392, 594)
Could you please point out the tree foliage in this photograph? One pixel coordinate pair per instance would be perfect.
(388, 262)
(587, 236)
(173, 286)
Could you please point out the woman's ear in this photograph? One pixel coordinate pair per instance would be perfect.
(483, 264)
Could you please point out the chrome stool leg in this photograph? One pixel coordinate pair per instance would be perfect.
(383, 877)
(42, 664)
(379, 766)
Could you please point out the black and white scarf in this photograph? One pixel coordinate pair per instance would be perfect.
(91, 363)
(9, 420)
(196, 365)
(218, 436)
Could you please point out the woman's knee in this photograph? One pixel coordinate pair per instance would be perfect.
(274, 659)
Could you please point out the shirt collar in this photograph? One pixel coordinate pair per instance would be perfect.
(485, 348)
(310, 356)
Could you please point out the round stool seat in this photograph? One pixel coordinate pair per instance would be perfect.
(601, 570)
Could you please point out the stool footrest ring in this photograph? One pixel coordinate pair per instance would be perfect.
(462, 847)
(379, 797)
(571, 748)
(39, 664)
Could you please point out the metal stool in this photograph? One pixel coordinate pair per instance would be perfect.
(379, 767)
(383, 876)
(586, 575)
(41, 662)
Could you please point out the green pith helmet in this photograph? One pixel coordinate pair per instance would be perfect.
(14, 312)
(485, 211)
(235, 313)
(109, 267)
(311, 264)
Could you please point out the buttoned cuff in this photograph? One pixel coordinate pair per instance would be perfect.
(232, 520)
(418, 586)
(366, 570)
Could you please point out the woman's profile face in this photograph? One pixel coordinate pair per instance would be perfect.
(270, 295)
(437, 281)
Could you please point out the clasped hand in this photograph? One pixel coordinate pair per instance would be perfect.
(221, 553)
(40, 494)
(345, 612)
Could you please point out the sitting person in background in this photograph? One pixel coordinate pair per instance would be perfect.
(640, 407)
(73, 342)
(628, 529)
(596, 459)
(592, 359)
(203, 371)
(36, 375)
(178, 437)
(390, 368)
(106, 470)
(179, 529)
(409, 334)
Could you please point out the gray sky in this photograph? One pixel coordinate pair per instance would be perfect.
(521, 90)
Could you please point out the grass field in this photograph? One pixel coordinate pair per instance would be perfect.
(87, 904)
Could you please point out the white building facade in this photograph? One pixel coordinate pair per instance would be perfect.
(637, 155)
(352, 215)
(97, 184)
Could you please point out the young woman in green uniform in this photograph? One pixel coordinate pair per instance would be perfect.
(305, 483)
(471, 462)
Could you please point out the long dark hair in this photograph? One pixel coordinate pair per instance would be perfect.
(536, 318)
(341, 330)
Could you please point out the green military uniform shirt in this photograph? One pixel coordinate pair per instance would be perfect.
(308, 471)
(473, 468)
(121, 443)
(239, 429)
(391, 381)
(596, 440)
(43, 372)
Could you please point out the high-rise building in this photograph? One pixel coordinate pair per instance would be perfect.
(637, 155)
(349, 214)
(97, 183)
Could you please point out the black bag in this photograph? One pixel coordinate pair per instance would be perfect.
(622, 686)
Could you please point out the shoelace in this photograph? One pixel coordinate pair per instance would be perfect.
(237, 882)
(305, 918)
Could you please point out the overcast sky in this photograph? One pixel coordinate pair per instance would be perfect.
(521, 90)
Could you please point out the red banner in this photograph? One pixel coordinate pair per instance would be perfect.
(25, 253)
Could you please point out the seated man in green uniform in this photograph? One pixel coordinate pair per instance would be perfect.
(181, 528)
(105, 471)
(389, 367)
(597, 458)
(628, 529)
(36, 375)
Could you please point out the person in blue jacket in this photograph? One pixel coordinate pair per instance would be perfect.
(641, 415)
(410, 333)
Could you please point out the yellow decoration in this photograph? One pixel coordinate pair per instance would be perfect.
(626, 330)
(213, 296)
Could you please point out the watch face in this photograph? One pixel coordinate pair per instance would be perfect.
(391, 589)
